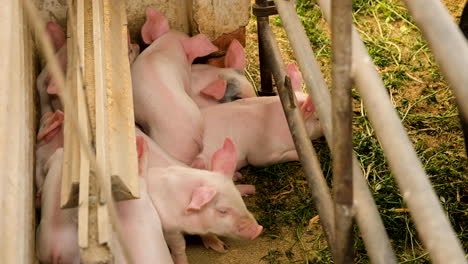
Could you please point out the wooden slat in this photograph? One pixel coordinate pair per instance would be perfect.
(17, 136)
(96, 249)
(123, 166)
(83, 199)
(72, 152)
(102, 129)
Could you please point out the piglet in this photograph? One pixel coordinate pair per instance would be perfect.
(258, 127)
(161, 80)
(44, 82)
(213, 85)
(49, 139)
(201, 202)
(56, 237)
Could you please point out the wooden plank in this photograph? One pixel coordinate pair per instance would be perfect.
(72, 152)
(123, 166)
(82, 119)
(17, 136)
(102, 129)
(97, 249)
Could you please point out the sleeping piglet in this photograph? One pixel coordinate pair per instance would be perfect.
(212, 85)
(258, 127)
(161, 81)
(201, 202)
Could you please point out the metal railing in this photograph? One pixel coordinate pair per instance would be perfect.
(350, 187)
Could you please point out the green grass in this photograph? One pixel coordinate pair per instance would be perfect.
(426, 106)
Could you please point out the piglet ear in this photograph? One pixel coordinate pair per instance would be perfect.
(307, 108)
(142, 152)
(52, 87)
(52, 125)
(224, 160)
(235, 56)
(198, 46)
(155, 26)
(56, 34)
(201, 196)
(296, 77)
(216, 89)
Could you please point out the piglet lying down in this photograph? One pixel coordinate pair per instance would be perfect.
(258, 128)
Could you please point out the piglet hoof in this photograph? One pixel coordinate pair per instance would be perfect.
(245, 189)
(180, 259)
(212, 241)
(237, 176)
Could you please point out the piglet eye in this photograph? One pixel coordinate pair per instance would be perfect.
(222, 211)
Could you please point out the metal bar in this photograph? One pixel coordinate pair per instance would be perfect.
(448, 43)
(305, 150)
(435, 229)
(342, 129)
(368, 218)
(266, 84)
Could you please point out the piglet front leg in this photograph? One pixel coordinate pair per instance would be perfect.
(57, 240)
(212, 241)
(176, 242)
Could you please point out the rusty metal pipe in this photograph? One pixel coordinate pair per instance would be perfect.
(342, 158)
(368, 218)
(305, 150)
(266, 84)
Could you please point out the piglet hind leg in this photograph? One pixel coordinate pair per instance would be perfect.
(212, 241)
(176, 243)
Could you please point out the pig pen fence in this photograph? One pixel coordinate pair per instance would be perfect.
(350, 63)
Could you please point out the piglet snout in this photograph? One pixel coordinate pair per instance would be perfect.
(250, 230)
(257, 232)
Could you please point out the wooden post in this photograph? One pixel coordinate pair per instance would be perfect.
(17, 136)
(342, 155)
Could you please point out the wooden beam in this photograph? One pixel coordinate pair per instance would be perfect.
(93, 249)
(342, 155)
(72, 152)
(17, 136)
(122, 156)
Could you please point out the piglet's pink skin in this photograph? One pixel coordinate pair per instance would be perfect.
(201, 202)
(45, 84)
(258, 127)
(56, 237)
(49, 139)
(161, 79)
(140, 222)
(213, 85)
